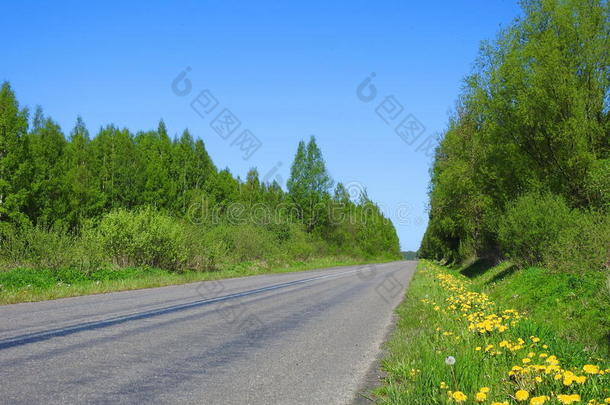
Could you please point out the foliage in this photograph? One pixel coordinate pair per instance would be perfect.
(409, 255)
(309, 184)
(531, 224)
(143, 238)
(49, 249)
(583, 246)
(119, 199)
(533, 119)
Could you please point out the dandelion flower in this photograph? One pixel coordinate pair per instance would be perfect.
(568, 399)
(522, 395)
(590, 369)
(459, 396)
(539, 400)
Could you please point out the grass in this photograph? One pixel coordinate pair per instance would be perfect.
(501, 353)
(28, 285)
(575, 306)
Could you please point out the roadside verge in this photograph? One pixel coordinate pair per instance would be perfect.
(453, 344)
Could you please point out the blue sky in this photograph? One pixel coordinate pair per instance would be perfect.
(286, 70)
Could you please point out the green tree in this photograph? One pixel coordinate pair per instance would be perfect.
(309, 184)
(14, 162)
(47, 203)
(119, 168)
(85, 199)
(155, 149)
(533, 118)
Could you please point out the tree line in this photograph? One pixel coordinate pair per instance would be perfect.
(69, 185)
(523, 170)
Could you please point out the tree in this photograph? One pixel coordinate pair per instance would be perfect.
(309, 183)
(533, 118)
(156, 153)
(47, 199)
(67, 185)
(14, 161)
(85, 199)
(118, 167)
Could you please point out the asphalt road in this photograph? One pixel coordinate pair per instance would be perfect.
(296, 338)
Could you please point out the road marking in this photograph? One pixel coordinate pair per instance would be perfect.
(68, 330)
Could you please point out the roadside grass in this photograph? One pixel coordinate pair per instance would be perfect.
(501, 355)
(28, 285)
(575, 306)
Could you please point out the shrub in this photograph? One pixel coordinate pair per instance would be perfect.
(40, 248)
(583, 246)
(250, 242)
(299, 244)
(531, 224)
(143, 238)
(206, 251)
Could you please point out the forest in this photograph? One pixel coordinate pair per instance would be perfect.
(523, 170)
(120, 199)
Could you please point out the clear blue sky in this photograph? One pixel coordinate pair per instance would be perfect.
(287, 70)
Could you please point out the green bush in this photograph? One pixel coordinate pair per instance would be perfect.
(37, 247)
(583, 246)
(299, 244)
(206, 251)
(531, 224)
(250, 242)
(143, 238)
(146, 238)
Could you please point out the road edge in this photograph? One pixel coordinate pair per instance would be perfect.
(374, 374)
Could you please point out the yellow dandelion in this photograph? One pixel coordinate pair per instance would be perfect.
(539, 400)
(459, 396)
(522, 395)
(568, 399)
(590, 369)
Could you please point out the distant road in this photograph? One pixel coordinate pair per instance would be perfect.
(295, 338)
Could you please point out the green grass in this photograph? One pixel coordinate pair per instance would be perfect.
(27, 285)
(424, 337)
(576, 306)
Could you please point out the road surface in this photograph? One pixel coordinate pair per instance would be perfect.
(294, 338)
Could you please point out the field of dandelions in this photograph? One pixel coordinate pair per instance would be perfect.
(453, 345)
